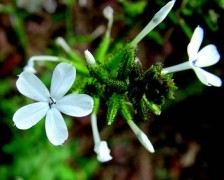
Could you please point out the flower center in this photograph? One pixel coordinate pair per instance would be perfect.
(194, 62)
(52, 101)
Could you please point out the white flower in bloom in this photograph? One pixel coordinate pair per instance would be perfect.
(51, 103)
(207, 56)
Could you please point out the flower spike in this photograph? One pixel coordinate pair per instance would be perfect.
(207, 56)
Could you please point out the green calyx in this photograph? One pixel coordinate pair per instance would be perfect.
(126, 89)
(114, 104)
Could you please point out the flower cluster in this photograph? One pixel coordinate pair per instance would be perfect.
(117, 80)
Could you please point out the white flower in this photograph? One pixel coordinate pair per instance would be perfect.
(207, 56)
(100, 147)
(51, 103)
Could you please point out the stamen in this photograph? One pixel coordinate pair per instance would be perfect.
(52, 102)
(194, 62)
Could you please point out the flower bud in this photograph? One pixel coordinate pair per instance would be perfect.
(89, 58)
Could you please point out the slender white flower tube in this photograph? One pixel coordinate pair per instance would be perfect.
(51, 104)
(143, 139)
(61, 42)
(30, 64)
(98, 31)
(207, 56)
(157, 19)
(100, 147)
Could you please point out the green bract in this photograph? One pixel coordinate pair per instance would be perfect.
(124, 83)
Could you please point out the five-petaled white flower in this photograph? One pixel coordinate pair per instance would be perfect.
(207, 56)
(51, 103)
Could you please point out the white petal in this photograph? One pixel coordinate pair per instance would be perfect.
(102, 151)
(31, 86)
(63, 77)
(56, 128)
(195, 43)
(29, 115)
(208, 78)
(77, 105)
(207, 56)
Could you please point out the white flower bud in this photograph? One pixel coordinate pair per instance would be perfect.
(143, 139)
(61, 42)
(89, 58)
(108, 12)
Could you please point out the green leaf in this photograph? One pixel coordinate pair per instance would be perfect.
(114, 104)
